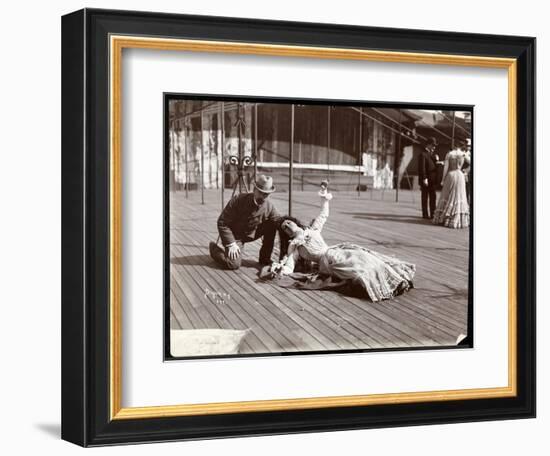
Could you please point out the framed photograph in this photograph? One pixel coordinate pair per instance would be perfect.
(275, 227)
(341, 179)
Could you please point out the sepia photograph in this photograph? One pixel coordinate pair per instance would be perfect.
(315, 226)
(272, 227)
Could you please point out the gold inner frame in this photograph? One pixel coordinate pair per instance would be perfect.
(117, 44)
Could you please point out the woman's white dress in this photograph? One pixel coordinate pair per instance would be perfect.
(381, 276)
(453, 210)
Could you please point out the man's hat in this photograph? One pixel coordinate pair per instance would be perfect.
(264, 184)
(431, 141)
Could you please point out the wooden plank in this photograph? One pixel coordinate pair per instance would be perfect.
(223, 320)
(431, 314)
(366, 310)
(178, 310)
(361, 339)
(196, 320)
(174, 323)
(339, 337)
(232, 273)
(340, 332)
(435, 316)
(248, 303)
(209, 315)
(233, 310)
(416, 340)
(292, 309)
(383, 334)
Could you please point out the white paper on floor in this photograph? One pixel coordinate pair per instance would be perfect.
(204, 342)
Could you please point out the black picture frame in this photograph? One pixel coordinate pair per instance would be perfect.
(86, 386)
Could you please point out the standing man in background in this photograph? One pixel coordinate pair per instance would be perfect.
(427, 177)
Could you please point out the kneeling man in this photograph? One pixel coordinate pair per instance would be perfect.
(247, 217)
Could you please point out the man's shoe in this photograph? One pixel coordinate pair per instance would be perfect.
(211, 247)
(215, 251)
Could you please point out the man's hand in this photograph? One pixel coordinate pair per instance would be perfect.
(425, 182)
(233, 251)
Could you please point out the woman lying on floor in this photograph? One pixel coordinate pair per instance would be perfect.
(356, 269)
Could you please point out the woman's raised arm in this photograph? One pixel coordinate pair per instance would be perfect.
(320, 220)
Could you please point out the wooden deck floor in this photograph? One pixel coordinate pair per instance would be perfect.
(434, 313)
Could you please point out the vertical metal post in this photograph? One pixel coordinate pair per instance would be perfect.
(240, 148)
(300, 161)
(397, 161)
(328, 143)
(209, 155)
(222, 143)
(202, 157)
(453, 135)
(173, 138)
(178, 153)
(360, 152)
(291, 161)
(186, 139)
(217, 152)
(255, 140)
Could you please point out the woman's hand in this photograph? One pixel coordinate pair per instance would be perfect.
(323, 193)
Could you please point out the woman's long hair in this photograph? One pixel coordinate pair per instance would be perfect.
(284, 239)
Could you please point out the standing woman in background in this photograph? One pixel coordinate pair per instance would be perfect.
(453, 210)
(467, 169)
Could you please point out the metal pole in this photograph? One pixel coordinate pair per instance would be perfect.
(291, 161)
(397, 160)
(328, 143)
(360, 152)
(209, 155)
(222, 143)
(453, 136)
(186, 139)
(202, 159)
(240, 148)
(181, 148)
(255, 140)
(174, 156)
(300, 161)
(217, 153)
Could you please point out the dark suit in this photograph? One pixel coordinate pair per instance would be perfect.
(427, 169)
(244, 221)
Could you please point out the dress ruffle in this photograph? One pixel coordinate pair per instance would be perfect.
(382, 276)
(453, 210)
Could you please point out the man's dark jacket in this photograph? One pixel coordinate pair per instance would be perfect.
(242, 216)
(427, 168)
